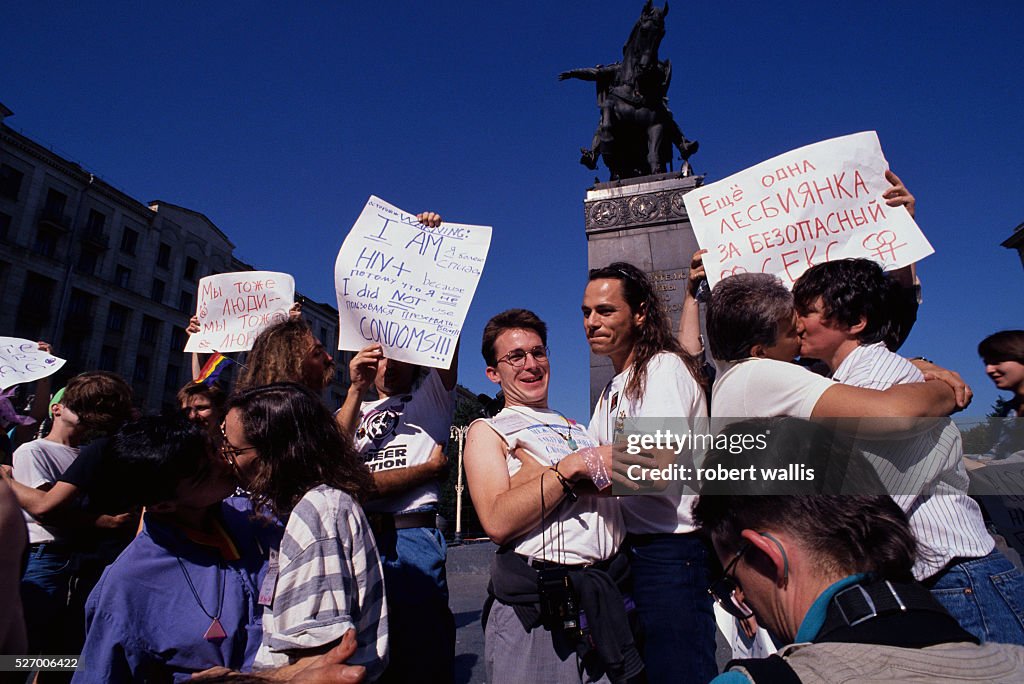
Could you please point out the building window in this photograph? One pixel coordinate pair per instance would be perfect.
(190, 269)
(157, 292)
(108, 359)
(95, 223)
(46, 243)
(117, 318)
(129, 241)
(79, 304)
(10, 182)
(53, 210)
(150, 329)
(172, 381)
(163, 257)
(34, 309)
(177, 339)
(185, 302)
(87, 261)
(5, 225)
(123, 276)
(141, 373)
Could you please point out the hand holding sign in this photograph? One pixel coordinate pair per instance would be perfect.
(819, 203)
(24, 361)
(234, 308)
(406, 282)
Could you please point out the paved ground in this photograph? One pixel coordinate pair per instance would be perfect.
(468, 568)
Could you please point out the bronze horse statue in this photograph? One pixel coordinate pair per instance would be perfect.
(637, 132)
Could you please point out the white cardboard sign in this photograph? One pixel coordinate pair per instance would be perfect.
(234, 308)
(21, 361)
(406, 285)
(814, 204)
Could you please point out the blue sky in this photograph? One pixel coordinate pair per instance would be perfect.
(279, 120)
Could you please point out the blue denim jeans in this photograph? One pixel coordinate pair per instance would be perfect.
(45, 588)
(986, 596)
(670, 580)
(421, 628)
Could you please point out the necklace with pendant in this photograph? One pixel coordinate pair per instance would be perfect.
(215, 632)
(569, 441)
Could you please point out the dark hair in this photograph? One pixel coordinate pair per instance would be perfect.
(846, 533)
(217, 396)
(745, 310)
(1005, 345)
(654, 335)
(299, 446)
(512, 319)
(277, 354)
(102, 400)
(148, 458)
(849, 289)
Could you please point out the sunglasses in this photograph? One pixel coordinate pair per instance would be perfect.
(724, 589)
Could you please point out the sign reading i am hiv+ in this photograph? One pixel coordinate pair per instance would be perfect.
(22, 361)
(234, 308)
(818, 203)
(406, 285)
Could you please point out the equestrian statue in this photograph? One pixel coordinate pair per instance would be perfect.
(637, 132)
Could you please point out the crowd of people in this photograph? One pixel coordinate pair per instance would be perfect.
(257, 536)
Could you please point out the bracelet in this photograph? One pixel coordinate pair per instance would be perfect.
(566, 485)
(595, 467)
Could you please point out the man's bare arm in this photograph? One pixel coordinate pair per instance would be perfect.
(398, 480)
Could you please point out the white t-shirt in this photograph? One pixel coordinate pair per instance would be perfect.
(670, 392)
(37, 463)
(573, 533)
(401, 431)
(763, 388)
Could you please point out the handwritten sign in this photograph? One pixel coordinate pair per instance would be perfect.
(819, 203)
(406, 285)
(21, 361)
(234, 308)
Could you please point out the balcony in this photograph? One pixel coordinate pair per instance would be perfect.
(52, 218)
(95, 238)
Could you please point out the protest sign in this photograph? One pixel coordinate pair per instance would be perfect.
(234, 308)
(818, 203)
(21, 361)
(406, 285)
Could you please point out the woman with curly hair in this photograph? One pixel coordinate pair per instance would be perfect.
(326, 577)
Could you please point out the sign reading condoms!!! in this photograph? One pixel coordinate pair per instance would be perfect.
(818, 203)
(22, 361)
(406, 285)
(234, 308)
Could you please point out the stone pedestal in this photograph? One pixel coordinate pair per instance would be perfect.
(642, 221)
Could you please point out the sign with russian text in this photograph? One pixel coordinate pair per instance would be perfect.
(818, 203)
(234, 308)
(406, 285)
(22, 361)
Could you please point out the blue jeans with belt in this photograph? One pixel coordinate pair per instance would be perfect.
(670, 580)
(986, 596)
(421, 628)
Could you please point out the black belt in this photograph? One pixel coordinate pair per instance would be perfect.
(389, 522)
(930, 582)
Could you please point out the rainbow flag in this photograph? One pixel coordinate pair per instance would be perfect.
(212, 369)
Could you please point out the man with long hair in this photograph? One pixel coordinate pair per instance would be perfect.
(624, 319)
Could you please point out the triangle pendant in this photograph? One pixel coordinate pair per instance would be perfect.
(215, 632)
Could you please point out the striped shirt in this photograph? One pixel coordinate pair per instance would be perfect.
(925, 473)
(329, 581)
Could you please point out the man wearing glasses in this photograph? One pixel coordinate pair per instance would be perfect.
(832, 575)
(555, 611)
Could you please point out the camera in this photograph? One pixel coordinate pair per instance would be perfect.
(558, 601)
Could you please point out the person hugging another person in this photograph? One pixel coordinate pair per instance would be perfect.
(326, 577)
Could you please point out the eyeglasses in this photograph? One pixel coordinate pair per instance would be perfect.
(229, 452)
(517, 357)
(724, 589)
